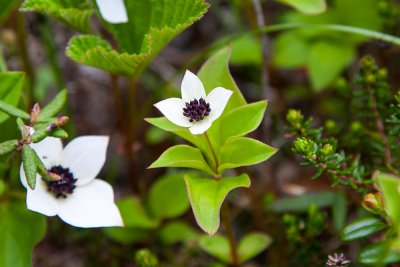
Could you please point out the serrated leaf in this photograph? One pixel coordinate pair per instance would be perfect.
(21, 230)
(54, 107)
(151, 26)
(207, 195)
(29, 165)
(165, 204)
(389, 186)
(11, 85)
(242, 120)
(310, 7)
(74, 13)
(253, 244)
(8, 147)
(362, 228)
(243, 151)
(182, 156)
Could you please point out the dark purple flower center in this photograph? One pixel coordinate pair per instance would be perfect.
(196, 110)
(64, 186)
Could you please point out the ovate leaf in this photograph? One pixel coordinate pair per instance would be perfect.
(183, 156)
(307, 6)
(167, 197)
(242, 120)
(243, 151)
(11, 85)
(389, 186)
(178, 231)
(253, 244)
(362, 228)
(218, 246)
(29, 165)
(134, 214)
(207, 195)
(21, 230)
(74, 13)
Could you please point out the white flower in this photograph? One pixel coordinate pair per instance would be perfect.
(195, 109)
(78, 198)
(113, 11)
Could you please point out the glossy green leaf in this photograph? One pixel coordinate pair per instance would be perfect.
(242, 120)
(11, 85)
(389, 186)
(178, 231)
(307, 6)
(167, 197)
(362, 228)
(183, 156)
(253, 244)
(6, 6)
(54, 107)
(152, 25)
(326, 61)
(8, 147)
(218, 246)
(29, 165)
(21, 230)
(243, 151)
(378, 254)
(207, 195)
(74, 13)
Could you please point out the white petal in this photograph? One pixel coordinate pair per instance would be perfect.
(201, 126)
(85, 156)
(41, 200)
(172, 109)
(218, 98)
(192, 87)
(113, 11)
(48, 150)
(91, 205)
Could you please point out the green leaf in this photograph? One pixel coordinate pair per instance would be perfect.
(182, 156)
(243, 151)
(389, 187)
(74, 13)
(29, 165)
(250, 246)
(339, 210)
(54, 107)
(362, 228)
(378, 254)
(218, 246)
(310, 7)
(40, 133)
(6, 6)
(207, 195)
(242, 120)
(8, 147)
(167, 197)
(21, 230)
(11, 85)
(290, 50)
(253, 244)
(127, 235)
(246, 50)
(178, 231)
(151, 26)
(59, 133)
(327, 61)
(134, 214)
(303, 202)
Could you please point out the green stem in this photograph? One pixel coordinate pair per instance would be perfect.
(216, 163)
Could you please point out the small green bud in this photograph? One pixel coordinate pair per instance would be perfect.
(327, 149)
(356, 126)
(304, 147)
(295, 117)
(370, 78)
(382, 74)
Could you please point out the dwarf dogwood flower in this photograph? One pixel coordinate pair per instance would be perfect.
(77, 198)
(195, 110)
(113, 11)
